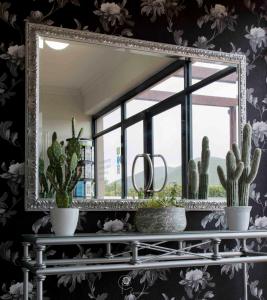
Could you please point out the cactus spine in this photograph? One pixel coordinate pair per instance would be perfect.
(203, 167)
(250, 166)
(192, 180)
(234, 170)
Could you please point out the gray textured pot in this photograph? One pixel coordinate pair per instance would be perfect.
(160, 220)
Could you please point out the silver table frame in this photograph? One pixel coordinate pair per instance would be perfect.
(180, 255)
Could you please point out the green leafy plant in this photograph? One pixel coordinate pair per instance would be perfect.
(63, 172)
(163, 199)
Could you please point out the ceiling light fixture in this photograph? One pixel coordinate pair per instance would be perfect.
(56, 45)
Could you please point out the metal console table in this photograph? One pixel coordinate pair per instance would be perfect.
(157, 254)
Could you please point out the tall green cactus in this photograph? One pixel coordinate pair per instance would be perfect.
(192, 180)
(250, 166)
(234, 171)
(63, 171)
(203, 167)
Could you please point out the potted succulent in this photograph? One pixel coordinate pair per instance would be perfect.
(241, 171)
(161, 214)
(63, 173)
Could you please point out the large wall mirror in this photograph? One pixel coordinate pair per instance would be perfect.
(130, 97)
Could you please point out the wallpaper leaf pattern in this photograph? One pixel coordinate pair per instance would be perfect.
(232, 26)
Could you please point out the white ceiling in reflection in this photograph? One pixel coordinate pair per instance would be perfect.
(100, 74)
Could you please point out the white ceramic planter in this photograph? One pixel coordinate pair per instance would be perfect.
(237, 217)
(64, 220)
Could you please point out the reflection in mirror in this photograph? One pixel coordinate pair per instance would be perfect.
(214, 114)
(131, 100)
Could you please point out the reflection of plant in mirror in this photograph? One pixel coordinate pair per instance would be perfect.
(165, 198)
(46, 189)
(214, 191)
(198, 177)
(62, 171)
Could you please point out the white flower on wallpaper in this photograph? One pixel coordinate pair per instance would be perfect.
(157, 8)
(110, 8)
(113, 226)
(220, 16)
(14, 57)
(16, 52)
(36, 16)
(5, 14)
(257, 37)
(260, 223)
(216, 218)
(7, 134)
(153, 8)
(259, 133)
(114, 17)
(196, 283)
(15, 291)
(178, 38)
(203, 43)
(219, 11)
(255, 290)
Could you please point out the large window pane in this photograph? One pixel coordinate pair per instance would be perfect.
(215, 123)
(134, 146)
(108, 120)
(159, 92)
(109, 165)
(167, 142)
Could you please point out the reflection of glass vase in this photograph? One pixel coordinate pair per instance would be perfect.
(44, 140)
(84, 187)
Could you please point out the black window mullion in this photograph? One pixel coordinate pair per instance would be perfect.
(148, 147)
(95, 156)
(123, 155)
(186, 127)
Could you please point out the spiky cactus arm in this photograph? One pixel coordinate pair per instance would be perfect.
(248, 176)
(222, 177)
(246, 145)
(192, 180)
(250, 166)
(203, 167)
(230, 181)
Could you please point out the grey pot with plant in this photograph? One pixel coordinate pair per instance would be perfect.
(161, 214)
(241, 171)
(63, 174)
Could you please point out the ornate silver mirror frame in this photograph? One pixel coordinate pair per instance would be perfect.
(33, 31)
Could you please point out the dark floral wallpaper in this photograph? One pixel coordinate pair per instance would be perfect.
(232, 26)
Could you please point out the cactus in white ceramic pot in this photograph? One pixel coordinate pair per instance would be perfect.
(229, 181)
(251, 166)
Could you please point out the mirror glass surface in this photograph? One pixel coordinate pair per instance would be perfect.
(131, 101)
